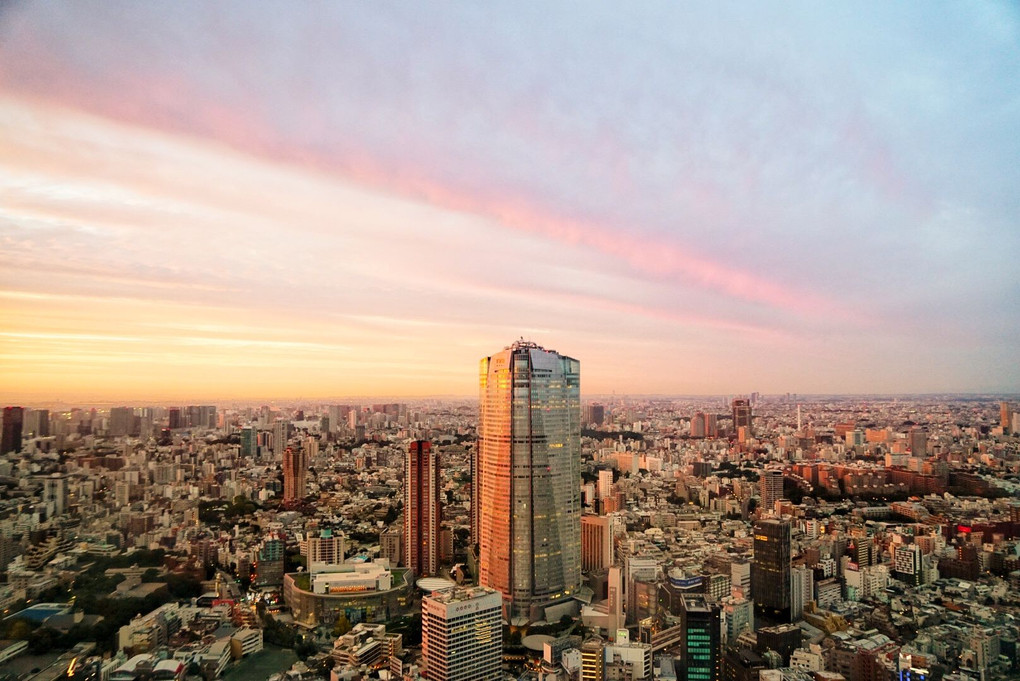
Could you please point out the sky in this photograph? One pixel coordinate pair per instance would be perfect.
(282, 200)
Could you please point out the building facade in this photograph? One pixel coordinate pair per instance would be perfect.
(422, 511)
(462, 635)
(527, 478)
(295, 473)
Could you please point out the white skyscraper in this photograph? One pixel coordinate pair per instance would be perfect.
(527, 478)
(462, 634)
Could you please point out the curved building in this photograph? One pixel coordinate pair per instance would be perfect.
(527, 478)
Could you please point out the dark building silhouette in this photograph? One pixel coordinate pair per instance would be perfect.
(783, 639)
(770, 570)
(14, 421)
(741, 415)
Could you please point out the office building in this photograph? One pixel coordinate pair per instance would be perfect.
(121, 421)
(295, 473)
(421, 509)
(14, 419)
(770, 569)
(527, 473)
(462, 635)
(594, 414)
(249, 442)
(704, 425)
(1005, 415)
(909, 564)
(742, 415)
(802, 589)
(770, 487)
(699, 642)
(37, 423)
(596, 542)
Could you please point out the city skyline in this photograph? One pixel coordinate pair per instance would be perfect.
(240, 202)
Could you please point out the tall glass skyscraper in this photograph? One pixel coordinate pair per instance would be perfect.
(526, 481)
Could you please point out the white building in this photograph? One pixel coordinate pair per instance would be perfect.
(462, 635)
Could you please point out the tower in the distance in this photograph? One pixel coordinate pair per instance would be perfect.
(295, 473)
(527, 468)
(421, 509)
(741, 415)
(14, 420)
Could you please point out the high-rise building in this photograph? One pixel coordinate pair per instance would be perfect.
(596, 542)
(605, 483)
(527, 473)
(1005, 415)
(121, 421)
(770, 488)
(770, 569)
(698, 425)
(249, 442)
(295, 473)
(422, 512)
(281, 434)
(741, 415)
(918, 442)
(802, 588)
(594, 414)
(699, 638)
(174, 417)
(462, 635)
(14, 420)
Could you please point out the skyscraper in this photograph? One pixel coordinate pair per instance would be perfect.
(527, 477)
(699, 642)
(14, 419)
(422, 511)
(462, 635)
(281, 434)
(770, 570)
(295, 473)
(741, 415)
(596, 542)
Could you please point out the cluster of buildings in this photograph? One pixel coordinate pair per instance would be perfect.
(692, 539)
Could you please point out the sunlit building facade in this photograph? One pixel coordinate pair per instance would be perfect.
(295, 473)
(527, 478)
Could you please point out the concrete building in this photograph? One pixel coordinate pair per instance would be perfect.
(462, 637)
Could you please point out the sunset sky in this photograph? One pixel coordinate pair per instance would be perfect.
(239, 200)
